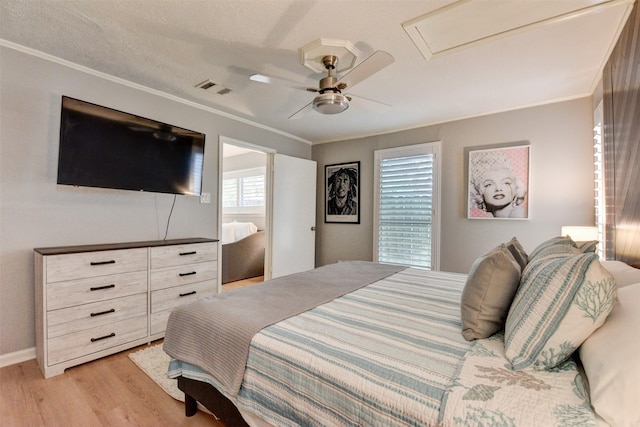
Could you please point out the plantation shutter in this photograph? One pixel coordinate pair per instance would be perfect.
(244, 190)
(252, 188)
(405, 205)
(230, 193)
(599, 181)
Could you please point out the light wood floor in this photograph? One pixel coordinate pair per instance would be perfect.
(241, 283)
(111, 391)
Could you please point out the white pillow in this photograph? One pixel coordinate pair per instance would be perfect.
(624, 274)
(611, 360)
(243, 229)
(227, 233)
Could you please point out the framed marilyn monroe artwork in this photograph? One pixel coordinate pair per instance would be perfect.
(342, 193)
(498, 181)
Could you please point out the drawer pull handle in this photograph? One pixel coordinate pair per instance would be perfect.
(100, 313)
(188, 253)
(99, 288)
(111, 261)
(111, 335)
(191, 273)
(189, 293)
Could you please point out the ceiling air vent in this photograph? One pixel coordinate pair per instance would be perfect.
(208, 84)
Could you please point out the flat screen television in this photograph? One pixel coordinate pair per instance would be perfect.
(106, 148)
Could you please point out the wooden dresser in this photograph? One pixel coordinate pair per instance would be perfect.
(96, 300)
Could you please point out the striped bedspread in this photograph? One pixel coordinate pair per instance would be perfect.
(388, 354)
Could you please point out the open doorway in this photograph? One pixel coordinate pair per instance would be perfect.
(253, 181)
(243, 215)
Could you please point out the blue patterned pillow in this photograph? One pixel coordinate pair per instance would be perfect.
(588, 245)
(550, 252)
(555, 241)
(560, 302)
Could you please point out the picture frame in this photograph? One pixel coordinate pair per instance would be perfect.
(498, 181)
(342, 193)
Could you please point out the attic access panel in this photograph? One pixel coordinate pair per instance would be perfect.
(467, 22)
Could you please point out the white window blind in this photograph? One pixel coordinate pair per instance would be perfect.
(405, 203)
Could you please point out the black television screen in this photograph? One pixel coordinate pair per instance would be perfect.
(102, 147)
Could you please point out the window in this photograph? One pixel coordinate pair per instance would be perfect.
(406, 204)
(244, 190)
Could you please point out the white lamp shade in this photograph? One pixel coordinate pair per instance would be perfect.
(580, 234)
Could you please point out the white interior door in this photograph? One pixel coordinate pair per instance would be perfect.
(293, 215)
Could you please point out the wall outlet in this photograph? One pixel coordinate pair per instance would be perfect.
(205, 198)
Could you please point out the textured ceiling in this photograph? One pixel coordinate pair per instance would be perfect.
(172, 45)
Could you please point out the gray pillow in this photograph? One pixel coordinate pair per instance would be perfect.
(518, 252)
(491, 285)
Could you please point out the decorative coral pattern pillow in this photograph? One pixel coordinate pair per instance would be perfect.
(559, 303)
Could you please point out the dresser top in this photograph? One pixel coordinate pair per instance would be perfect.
(60, 250)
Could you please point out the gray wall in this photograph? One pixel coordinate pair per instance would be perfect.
(561, 185)
(245, 161)
(35, 212)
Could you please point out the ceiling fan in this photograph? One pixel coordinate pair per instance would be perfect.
(330, 99)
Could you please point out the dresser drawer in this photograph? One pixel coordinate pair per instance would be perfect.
(167, 299)
(183, 274)
(94, 264)
(173, 255)
(87, 316)
(159, 321)
(84, 291)
(92, 340)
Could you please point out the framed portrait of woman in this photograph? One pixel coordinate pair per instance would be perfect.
(342, 193)
(498, 181)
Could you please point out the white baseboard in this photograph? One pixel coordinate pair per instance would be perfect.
(17, 357)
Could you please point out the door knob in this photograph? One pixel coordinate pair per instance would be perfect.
(313, 228)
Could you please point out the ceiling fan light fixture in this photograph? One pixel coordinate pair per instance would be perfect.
(330, 103)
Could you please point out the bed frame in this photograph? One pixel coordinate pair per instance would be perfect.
(198, 391)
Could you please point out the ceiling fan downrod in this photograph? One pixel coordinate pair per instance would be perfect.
(330, 99)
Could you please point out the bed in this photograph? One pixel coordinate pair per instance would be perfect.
(370, 344)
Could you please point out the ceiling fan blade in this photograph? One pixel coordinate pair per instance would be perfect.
(374, 63)
(368, 104)
(303, 112)
(279, 82)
